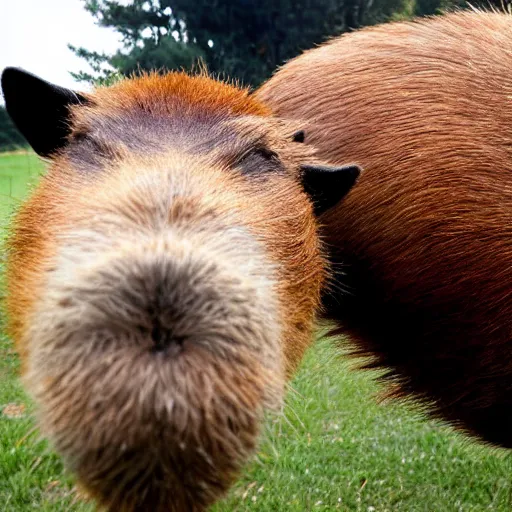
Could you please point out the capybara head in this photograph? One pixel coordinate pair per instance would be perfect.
(162, 279)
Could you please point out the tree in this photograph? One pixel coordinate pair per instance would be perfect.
(244, 39)
(429, 7)
(10, 137)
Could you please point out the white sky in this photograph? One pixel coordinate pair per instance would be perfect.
(34, 35)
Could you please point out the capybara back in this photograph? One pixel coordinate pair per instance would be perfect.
(421, 249)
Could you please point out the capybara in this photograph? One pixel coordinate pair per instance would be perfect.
(421, 248)
(162, 279)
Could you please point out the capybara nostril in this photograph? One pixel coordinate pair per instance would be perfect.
(163, 338)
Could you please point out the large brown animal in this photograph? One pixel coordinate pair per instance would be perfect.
(422, 247)
(163, 279)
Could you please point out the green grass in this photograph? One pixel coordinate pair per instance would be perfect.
(333, 448)
(18, 171)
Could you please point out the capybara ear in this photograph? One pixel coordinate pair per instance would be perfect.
(328, 185)
(299, 136)
(39, 109)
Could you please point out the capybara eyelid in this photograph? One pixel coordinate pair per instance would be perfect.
(258, 152)
(79, 136)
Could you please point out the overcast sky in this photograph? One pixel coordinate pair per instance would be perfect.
(34, 35)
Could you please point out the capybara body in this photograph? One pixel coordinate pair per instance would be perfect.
(163, 280)
(421, 249)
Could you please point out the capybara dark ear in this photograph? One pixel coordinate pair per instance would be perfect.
(328, 185)
(299, 136)
(39, 109)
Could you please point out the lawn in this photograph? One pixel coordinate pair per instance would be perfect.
(333, 447)
(18, 170)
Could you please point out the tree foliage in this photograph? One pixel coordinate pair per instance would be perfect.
(244, 39)
(10, 137)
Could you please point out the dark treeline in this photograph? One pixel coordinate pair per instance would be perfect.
(10, 137)
(242, 39)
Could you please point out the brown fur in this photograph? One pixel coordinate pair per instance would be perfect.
(422, 246)
(149, 224)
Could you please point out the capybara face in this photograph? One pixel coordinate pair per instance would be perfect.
(162, 279)
(425, 239)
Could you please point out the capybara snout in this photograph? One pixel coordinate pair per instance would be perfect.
(155, 338)
(163, 279)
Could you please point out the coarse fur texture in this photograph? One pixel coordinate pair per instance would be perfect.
(421, 249)
(163, 281)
